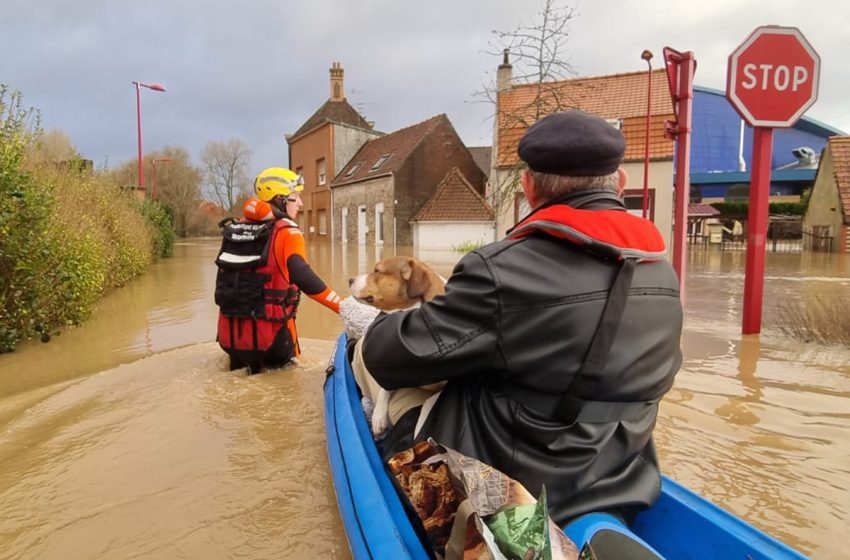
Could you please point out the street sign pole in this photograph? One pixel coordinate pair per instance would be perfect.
(772, 79)
(757, 229)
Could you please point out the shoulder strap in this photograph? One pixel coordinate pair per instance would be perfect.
(568, 408)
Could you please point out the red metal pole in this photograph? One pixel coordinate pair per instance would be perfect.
(139, 132)
(757, 229)
(647, 56)
(687, 66)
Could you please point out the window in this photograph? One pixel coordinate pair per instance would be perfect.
(353, 169)
(633, 199)
(379, 223)
(380, 162)
(321, 171)
(323, 222)
(616, 123)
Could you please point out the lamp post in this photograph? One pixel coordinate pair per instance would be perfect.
(647, 56)
(139, 85)
(153, 177)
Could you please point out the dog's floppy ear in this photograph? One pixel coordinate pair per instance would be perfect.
(418, 281)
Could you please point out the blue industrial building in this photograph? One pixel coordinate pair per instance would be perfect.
(720, 158)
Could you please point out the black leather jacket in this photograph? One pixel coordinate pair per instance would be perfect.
(521, 313)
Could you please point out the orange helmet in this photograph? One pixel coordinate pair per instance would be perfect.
(257, 210)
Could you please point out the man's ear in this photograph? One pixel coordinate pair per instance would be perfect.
(622, 180)
(528, 188)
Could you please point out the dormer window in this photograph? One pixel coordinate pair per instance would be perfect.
(353, 169)
(380, 162)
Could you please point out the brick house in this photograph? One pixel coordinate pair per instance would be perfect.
(323, 145)
(827, 219)
(456, 215)
(382, 187)
(619, 98)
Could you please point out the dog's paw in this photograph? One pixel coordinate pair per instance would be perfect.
(380, 425)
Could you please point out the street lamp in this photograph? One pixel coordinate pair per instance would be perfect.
(647, 56)
(139, 85)
(153, 178)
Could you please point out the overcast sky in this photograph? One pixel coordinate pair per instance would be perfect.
(257, 69)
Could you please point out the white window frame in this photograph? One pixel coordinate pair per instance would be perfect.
(381, 161)
(321, 171)
(353, 169)
(379, 223)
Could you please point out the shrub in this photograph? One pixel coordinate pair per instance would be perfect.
(820, 319)
(66, 235)
(468, 246)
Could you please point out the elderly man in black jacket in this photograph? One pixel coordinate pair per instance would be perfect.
(557, 343)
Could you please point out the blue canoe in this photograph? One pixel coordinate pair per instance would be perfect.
(681, 524)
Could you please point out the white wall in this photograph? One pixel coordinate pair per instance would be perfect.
(446, 235)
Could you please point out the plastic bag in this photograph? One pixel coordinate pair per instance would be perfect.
(473, 511)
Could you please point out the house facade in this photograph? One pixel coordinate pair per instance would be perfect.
(456, 216)
(388, 180)
(622, 100)
(322, 146)
(827, 219)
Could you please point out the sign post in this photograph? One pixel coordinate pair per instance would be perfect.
(772, 79)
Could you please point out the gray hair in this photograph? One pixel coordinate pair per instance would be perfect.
(548, 186)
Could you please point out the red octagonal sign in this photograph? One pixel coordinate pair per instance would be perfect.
(773, 77)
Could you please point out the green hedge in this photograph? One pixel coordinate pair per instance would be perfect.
(741, 209)
(66, 235)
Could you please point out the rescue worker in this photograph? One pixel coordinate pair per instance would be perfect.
(557, 343)
(262, 271)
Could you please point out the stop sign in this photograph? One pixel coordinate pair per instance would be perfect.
(773, 76)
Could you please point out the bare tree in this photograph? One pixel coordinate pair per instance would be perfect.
(539, 58)
(178, 183)
(225, 167)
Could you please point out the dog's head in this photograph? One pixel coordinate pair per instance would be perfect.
(397, 283)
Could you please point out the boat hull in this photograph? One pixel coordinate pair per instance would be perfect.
(680, 525)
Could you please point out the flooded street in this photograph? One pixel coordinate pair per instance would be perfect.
(126, 437)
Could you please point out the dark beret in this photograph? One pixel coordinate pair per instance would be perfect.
(572, 143)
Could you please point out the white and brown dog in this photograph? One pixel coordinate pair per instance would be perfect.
(396, 284)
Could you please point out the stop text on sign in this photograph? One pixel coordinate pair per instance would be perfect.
(772, 77)
(780, 77)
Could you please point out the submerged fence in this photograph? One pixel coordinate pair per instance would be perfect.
(784, 235)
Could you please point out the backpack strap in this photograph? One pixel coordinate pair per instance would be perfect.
(569, 408)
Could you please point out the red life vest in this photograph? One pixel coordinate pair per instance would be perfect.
(254, 297)
(609, 233)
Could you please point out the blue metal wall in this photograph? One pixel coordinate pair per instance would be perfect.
(716, 132)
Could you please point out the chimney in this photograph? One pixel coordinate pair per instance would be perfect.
(337, 91)
(504, 75)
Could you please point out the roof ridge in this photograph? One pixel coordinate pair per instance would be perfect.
(589, 78)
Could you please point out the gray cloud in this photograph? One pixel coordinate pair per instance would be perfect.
(256, 70)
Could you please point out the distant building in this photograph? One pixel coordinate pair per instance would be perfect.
(382, 187)
(456, 216)
(827, 219)
(321, 147)
(619, 98)
(722, 146)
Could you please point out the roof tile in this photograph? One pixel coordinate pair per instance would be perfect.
(455, 200)
(839, 146)
(398, 145)
(336, 112)
(617, 96)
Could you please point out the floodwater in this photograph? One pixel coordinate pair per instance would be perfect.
(127, 438)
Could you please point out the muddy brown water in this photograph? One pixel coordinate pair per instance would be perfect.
(126, 438)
